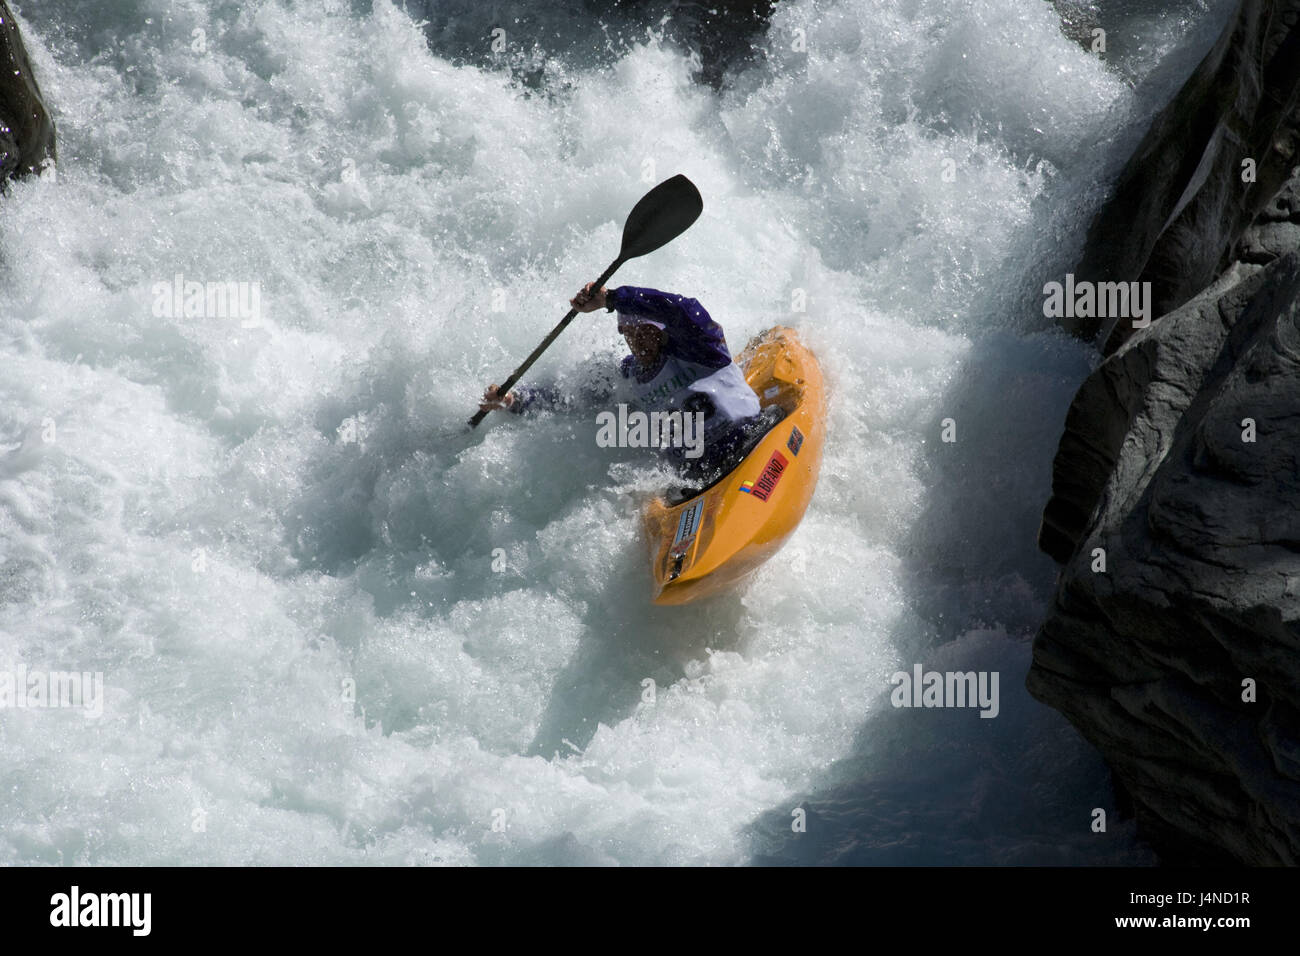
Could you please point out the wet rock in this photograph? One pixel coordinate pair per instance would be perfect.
(1181, 462)
(1211, 162)
(26, 129)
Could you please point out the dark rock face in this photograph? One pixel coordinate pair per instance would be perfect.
(722, 32)
(26, 129)
(1180, 464)
(1078, 18)
(1100, 424)
(1201, 588)
(1181, 203)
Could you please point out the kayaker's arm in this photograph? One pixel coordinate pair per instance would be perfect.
(531, 399)
(692, 334)
(523, 398)
(596, 386)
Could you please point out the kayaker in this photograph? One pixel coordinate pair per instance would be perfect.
(679, 361)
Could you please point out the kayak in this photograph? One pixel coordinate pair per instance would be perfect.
(703, 541)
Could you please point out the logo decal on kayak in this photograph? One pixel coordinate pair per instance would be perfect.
(795, 442)
(766, 482)
(687, 525)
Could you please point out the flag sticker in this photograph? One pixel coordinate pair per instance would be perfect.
(765, 484)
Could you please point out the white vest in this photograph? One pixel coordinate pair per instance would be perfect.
(722, 394)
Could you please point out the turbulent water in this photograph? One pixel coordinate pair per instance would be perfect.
(333, 628)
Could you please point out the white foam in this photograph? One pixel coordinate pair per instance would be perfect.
(243, 527)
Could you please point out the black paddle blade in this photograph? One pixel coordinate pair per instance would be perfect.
(663, 214)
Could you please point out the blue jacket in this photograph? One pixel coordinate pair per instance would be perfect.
(692, 337)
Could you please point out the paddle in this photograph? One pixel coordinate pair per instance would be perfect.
(662, 215)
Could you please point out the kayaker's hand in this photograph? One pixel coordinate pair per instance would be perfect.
(492, 400)
(588, 300)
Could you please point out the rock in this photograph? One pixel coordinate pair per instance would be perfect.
(1199, 527)
(1078, 19)
(1267, 241)
(723, 32)
(1285, 206)
(1101, 419)
(1181, 205)
(1201, 590)
(26, 129)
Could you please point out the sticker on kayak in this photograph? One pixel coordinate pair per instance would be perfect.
(796, 440)
(689, 523)
(766, 482)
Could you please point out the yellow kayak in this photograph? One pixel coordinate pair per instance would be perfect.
(706, 543)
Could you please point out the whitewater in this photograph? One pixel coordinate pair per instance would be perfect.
(335, 629)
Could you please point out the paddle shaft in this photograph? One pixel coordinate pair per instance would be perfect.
(518, 373)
